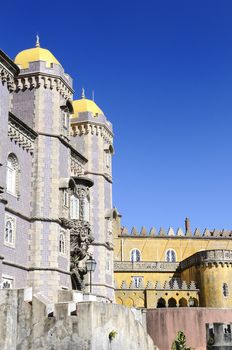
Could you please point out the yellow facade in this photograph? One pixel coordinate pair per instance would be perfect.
(198, 275)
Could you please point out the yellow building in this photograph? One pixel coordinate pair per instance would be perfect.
(171, 269)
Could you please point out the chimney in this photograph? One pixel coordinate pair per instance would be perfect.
(187, 225)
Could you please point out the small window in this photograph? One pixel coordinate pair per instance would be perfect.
(170, 255)
(9, 235)
(225, 289)
(137, 281)
(66, 199)
(7, 282)
(135, 255)
(66, 120)
(86, 209)
(74, 210)
(12, 174)
(62, 243)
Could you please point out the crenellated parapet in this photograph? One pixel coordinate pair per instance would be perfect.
(41, 80)
(93, 128)
(208, 258)
(179, 233)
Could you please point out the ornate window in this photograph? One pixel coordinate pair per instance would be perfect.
(135, 255)
(12, 174)
(74, 207)
(137, 280)
(170, 255)
(62, 243)
(7, 282)
(9, 234)
(225, 289)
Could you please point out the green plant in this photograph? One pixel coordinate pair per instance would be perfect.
(112, 335)
(180, 342)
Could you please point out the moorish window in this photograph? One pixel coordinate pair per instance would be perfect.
(9, 234)
(135, 255)
(170, 255)
(12, 174)
(225, 289)
(62, 243)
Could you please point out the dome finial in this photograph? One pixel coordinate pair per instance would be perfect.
(37, 44)
(83, 93)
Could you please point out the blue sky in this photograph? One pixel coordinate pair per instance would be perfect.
(162, 72)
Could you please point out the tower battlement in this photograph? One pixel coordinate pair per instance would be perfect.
(179, 233)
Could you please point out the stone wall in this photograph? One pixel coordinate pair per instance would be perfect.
(163, 325)
(38, 325)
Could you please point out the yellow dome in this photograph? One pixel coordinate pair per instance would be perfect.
(85, 105)
(35, 54)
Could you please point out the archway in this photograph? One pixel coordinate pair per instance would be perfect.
(183, 302)
(171, 302)
(161, 303)
(193, 302)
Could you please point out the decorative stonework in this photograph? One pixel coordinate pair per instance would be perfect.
(76, 166)
(7, 78)
(145, 266)
(94, 128)
(80, 239)
(208, 258)
(35, 81)
(166, 285)
(179, 234)
(20, 134)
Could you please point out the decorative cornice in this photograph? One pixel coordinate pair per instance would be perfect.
(142, 266)
(21, 134)
(208, 258)
(94, 128)
(8, 70)
(47, 81)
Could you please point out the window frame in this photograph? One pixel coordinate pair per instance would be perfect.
(12, 175)
(137, 280)
(131, 254)
(171, 250)
(9, 278)
(62, 243)
(12, 221)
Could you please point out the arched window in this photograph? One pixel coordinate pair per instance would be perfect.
(74, 207)
(170, 255)
(225, 289)
(12, 174)
(62, 243)
(135, 255)
(86, 209)
(9, 231)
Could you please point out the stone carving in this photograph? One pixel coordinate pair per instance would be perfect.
(145, 266)
(20, 134)
(36, 81)
(208, 258)
(7, 78)
(80, 239)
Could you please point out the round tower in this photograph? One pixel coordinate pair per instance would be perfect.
(92, 134)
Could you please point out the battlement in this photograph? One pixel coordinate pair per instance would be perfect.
(173, 284)
(162, 233)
